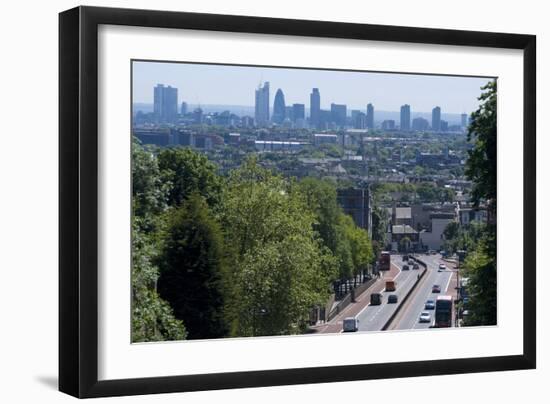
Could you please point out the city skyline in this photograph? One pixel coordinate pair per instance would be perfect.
(209, 85)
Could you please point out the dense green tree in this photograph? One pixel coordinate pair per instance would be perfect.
(481, 169)
(481, 165)
(321, 198)
(149, 191)
(278, 268)
(360, 244)
(404, 244)
(481, 271)
(451, 230)
(188, 171)
(152, 317)
(191, 269)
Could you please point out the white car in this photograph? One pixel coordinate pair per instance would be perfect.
(442, 267)
(425, 317)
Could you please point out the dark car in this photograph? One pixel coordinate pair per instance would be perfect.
(392, 299)
(405, 267)
(376, 299)
(415, 266)
(436, 289)
(430, 305)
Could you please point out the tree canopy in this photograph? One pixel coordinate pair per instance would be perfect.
(278, 268)
(192, 267)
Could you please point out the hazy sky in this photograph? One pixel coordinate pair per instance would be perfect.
(235, 85)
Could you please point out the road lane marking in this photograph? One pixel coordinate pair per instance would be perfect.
(449, 282)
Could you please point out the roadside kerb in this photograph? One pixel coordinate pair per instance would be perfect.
(404, 300)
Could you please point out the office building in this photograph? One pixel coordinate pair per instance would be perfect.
(324, 138)
(420, 124)
(357, 203)
(436, 119)
(279, 107)
(315, 108)
(298, 112)
(464, 120)
(405, 119)
(388, 124)
(183, 109)
(359, 120)
(261, 111)
(370, 116)
(165, 103)
(338, 114)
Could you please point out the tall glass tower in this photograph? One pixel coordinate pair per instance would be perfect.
(261, 113)
(279, 107)
(405, 120)
(370, 116)
(315, 108)
(436, 119)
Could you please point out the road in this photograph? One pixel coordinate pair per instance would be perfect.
(408, 317)
(373, 318)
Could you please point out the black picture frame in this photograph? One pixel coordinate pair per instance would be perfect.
(78, 200)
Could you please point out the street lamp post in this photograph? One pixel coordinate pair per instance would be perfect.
(458, 289)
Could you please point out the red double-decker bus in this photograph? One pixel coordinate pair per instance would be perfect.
(443, 312)
(384, 261)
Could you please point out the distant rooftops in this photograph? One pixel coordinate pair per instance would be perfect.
(403, 229)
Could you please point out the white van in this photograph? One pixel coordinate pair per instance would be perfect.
(351, 324)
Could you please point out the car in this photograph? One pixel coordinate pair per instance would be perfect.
(429, 305)
(411, 262)
(442, 268)
(425, 317)
(405, 267)
(376, 299)
(415, 266)
(433, 252)
(392, 299)
(405, 257)
(436, 289)
(351, 324)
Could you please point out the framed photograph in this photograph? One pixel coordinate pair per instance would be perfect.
(251, 202)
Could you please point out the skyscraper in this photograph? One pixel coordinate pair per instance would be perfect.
(315, 108)
(165, 103)
(183, 110)
(279, 107)
(261, 113)
(338, 114)
(420, 124)
(464, 120)
(405, 120)
(298, 112)
(436, 119)
(370, 116)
